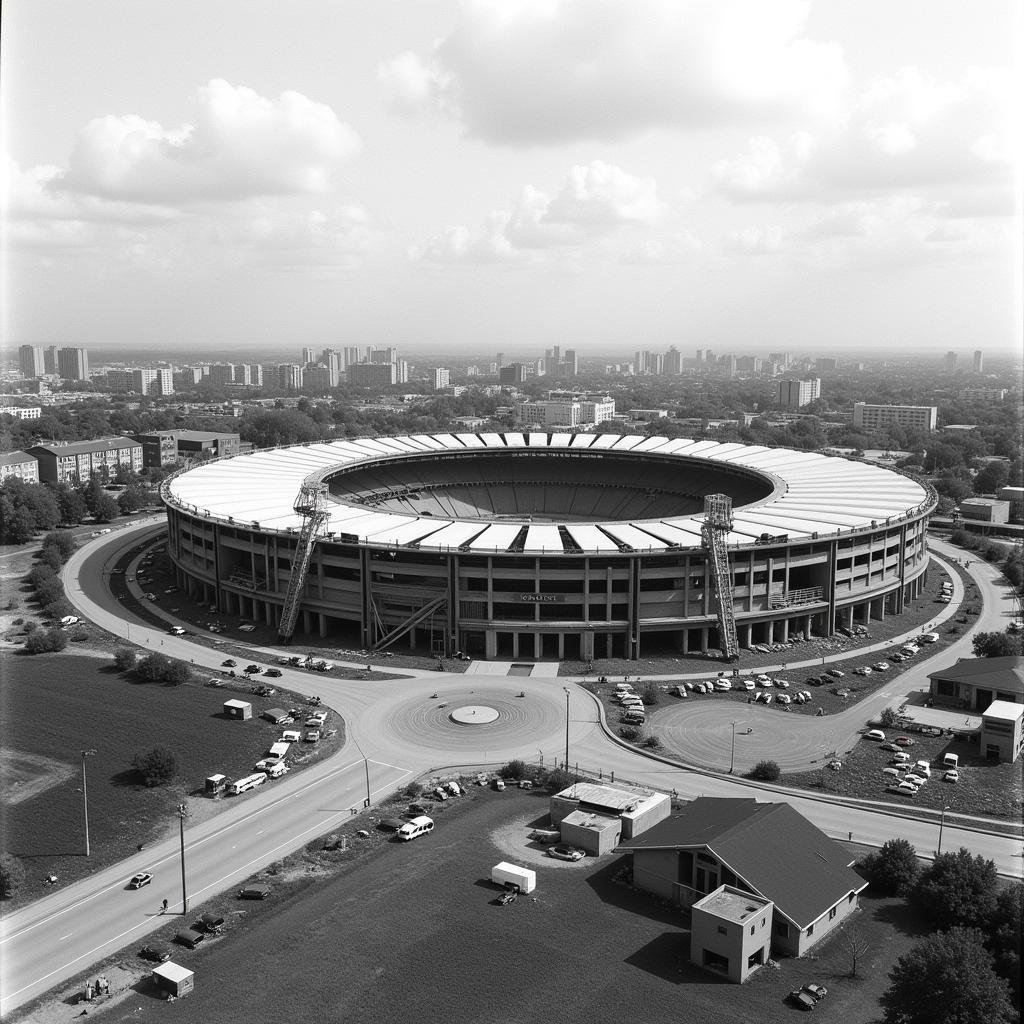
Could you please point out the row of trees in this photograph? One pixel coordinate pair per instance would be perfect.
(970, 969)
(48, 592)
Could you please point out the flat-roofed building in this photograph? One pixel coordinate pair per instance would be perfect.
(1001, 733)
(973, 683)
(77, 461)
(21, 465)
(731, 933)
(793, 394)
(22, 412)
(73, 363)
(164, 447)
(985, 510)
(31, 361)
(635, 807)
(373, 375)
(872, 417)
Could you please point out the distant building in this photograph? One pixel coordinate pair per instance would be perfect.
(50, 364)
(222, 373)
(514, 373)
(951, 361)
(872, 417)
(826, 364)
(442, 378)
(146, 381)
(597, 410)
(1015, 496)
(648, 414)
(31, 361)
(73, 363)
(21, 465)
(981, 394)
(673, 361)
(77, 461)
(794, 394)
(548, 414)
(985, 510)
(289, 376)
(317, 378)
(979, 361)
(22, 412)
(373, 375)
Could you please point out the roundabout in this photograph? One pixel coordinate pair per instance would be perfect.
(474, 714)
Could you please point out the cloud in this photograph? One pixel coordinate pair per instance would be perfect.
(241, 145)
(550, 71)
(754, 241)
(681, 247)
(593, 202)
(908, 131)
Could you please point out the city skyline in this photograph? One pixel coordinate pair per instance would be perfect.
(481, 177)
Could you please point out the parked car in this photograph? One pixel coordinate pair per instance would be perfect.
(252, 669)
(892, 772)
(904, 741)
(881, 666)
(561, 851)
(189, 937)
(228, 663)
(748, 684)
(836, 673)
(817, 991)
(783, 698)
(155, 953)
(953, 775)
(875, 734)
(864, 670)
(139, 880)
(312, 736)
(903, 788)
(782, 684)
(801, 999)
(254, 892)
(274, 673)
(176, 631)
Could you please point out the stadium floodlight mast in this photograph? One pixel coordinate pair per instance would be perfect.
(85, 797)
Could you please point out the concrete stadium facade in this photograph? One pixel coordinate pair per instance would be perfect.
(548, 545)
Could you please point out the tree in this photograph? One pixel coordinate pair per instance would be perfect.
(650, 694)
(61, 541)
(156, 767)
(1004, 935)
(12, 875)
(514, 770)
(766, 771)
(106, 509)
(153, 667)
(995, 645)
(893, 870)
(957, 889)
(177, 673)
(130, 500)
(991, 478)
(46, 641)
(889, 717)
(856, 945)
(124, 659)
(92, 493)
(71, 504)
(947, 979)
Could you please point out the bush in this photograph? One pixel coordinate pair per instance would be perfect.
(156, 767)
(413, 790)
(889, 717)
(765, 771)
(630, 733)
(12, 875)
(50, 557)
(45, 641)
(153, 668)
(62, 542)
(513, 771)
(124, 659)
(893, 870)
(556, 780)
(650, 742)
(178, 673)
(650, 694)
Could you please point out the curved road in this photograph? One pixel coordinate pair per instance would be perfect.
(403, 731)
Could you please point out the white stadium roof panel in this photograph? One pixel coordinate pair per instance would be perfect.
(497, 537)
(515, 440)
(538, 440)
(560, 440)
(470, 440)
(492, 440)
(452, 535)
(543, 537)
(629, 442)
(447, 441)
(635, 538)
(583, 440)
(590, 538)
(407, 533)
(604, 440)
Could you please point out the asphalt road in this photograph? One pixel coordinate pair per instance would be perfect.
(404, 731)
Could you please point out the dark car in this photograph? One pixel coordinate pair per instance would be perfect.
(253, 668)
(158, 954)
(798, 997)
(274, 673)
(189, 937)
(812, 988)
(228, 663)
(416, 809)
(254, 892)
(209, 923)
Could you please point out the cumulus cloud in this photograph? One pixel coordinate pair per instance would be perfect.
(680, 247)
(241, 145)
(908, 131)
(549, 71)
(593, 202)
(754, 240)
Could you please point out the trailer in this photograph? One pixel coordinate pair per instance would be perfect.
(505, 873)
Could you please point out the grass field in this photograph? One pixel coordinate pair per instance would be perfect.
(56, 705)
(409, 932)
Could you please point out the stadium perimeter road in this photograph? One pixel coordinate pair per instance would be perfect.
(403, 732)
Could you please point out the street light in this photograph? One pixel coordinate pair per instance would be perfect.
(732, 754)
(566, 688)
(85, 798)
(942, 822)
(182, 814)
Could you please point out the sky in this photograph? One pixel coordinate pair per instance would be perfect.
(475, 176)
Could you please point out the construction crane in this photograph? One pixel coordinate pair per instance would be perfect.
(311, 504)
(715, 528)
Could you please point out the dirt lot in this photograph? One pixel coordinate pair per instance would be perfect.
(55, 705)
(410, 932)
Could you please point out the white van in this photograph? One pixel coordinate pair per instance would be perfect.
(417, 827)
(249, 782)
(275, 770)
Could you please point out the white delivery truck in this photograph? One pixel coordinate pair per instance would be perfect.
(511, 874)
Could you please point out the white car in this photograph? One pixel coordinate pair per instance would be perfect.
(894, 772)
(783, 698)
(903, 788)
(748, 684)
(765, 683)
(766, 697)
(875, 734)
(881, 666)
(953, 775)
(723, 685)
(862, 671)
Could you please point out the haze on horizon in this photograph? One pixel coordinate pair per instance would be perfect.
(485, 175)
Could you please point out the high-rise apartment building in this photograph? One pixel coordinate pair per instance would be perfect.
(442, 378)
(316, 377)
(673, 361)
(513, 373)
(951, 361)
(792, 394)
(979, 361)
(597, 410)
(370, 375)
(50, 359)
(871, 417)
(73, 363)
(222, 373)
(31, 361)
(308, 356)
(289, 376)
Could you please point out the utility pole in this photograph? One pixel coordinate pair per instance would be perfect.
(942, 822)
(85, 797)
(566, 688)
(732, 754)
(182, 813)
(366, 765)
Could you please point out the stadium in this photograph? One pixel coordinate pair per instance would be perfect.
(548, 545)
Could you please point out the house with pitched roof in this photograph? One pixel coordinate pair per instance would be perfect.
(974, 683)
(767, 850)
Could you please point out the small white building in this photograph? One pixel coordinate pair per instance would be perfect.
(1001, 730)
(240, 709)
(731, 932)
(174, 978)
(635, 807)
